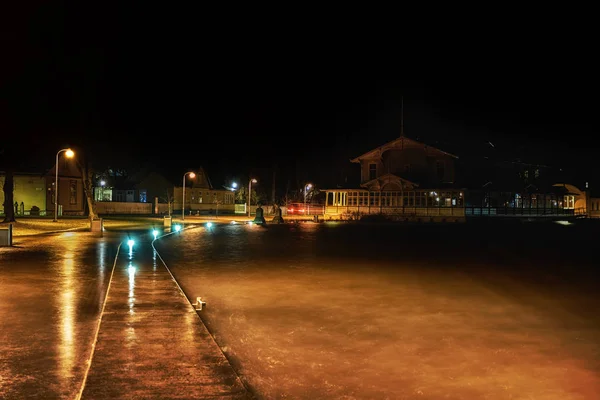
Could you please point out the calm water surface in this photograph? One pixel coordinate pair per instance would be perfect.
(347, 311)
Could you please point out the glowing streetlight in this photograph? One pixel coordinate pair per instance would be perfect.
(102, 184)
(306, 189)
(69, 153)
(252, 180)
(192, 176)
(233, 188)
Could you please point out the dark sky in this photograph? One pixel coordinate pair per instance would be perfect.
(182, 89)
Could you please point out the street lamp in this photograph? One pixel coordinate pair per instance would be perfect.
(306, 189)
(252, 180)
(69, 153)
(102, 183)
(234, 186)
(192, 175)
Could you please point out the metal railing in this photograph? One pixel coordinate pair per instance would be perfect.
(515, 211)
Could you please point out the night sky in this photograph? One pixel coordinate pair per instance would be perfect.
(178, 90)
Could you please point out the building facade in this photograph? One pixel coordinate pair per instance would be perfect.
(29, 193)
(403, 178)
(34, 193)
(202, 198)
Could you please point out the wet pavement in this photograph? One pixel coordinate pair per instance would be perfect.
(51, 293)
(59, 309)
(151, 343)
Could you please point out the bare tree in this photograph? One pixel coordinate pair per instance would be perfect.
(87, 174)
(8, 162)
(9, 210)
(170, 200)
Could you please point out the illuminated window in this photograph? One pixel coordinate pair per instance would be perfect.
(143, 196)
(72, 192)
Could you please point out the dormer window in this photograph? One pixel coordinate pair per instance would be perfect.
(439, 167)
(372, 171)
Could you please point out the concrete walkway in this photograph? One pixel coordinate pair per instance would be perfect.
(151, 343)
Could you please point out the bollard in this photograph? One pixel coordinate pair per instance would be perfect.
(199, 303)
(6, 236)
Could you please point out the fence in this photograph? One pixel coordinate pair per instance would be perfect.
(519, 212)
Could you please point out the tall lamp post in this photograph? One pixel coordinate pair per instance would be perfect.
(252, 180)
(192, 175)
(102, 183)
(234, 186)
(306, 189)
(69, 153)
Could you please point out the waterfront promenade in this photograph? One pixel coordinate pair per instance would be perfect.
(83, 317)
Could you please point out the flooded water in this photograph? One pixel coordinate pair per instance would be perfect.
(348, 311)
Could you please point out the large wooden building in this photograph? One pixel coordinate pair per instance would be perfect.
(405, 178)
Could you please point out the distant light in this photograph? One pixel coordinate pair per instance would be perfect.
(209, 224)
(437, 199)
(130, 242)
(563, 222)
(233, 222)
(234, 185)
(254, 180)
(177, 228)
(249, 222)
(70, 153)
(192, 175)
(102, 183)
(155, 233)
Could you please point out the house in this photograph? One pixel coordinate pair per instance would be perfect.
(593, 204)
(201, 197)
(409, 179)
(118, 191)
(29, 193)
(498, 187)
(34, 191)
(402, 177)
(71, 197)
(146, 191)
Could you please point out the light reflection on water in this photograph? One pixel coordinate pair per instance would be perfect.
(67, 313)
(131, 298)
